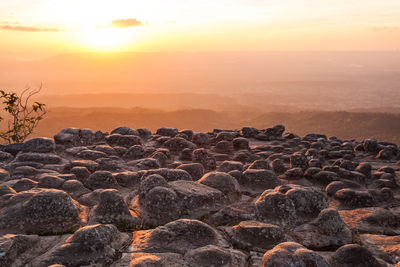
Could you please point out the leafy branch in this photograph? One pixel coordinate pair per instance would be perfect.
(23, 116)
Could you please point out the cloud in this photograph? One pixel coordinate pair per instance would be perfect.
(21, 28)
(385, 28)
(125, 23)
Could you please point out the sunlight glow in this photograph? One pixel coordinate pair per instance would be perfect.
(106, 39)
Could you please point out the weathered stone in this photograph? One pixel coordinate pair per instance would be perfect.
(101, 179)
(292, 254)
(39, 145)
(41, 211)
(223, 182)
(353, 255)
(257, 236)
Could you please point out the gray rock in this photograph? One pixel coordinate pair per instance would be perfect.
(39, 145)
(95, 244)
(223, 182)
(123, 140)
(196, 170)
(101, 179)
(113, 210)
(166, 131)
(205, 158)
(124, 131)
(42, 211)
(257, 236)
(12, 246)
(277, 208)
(292, 254)
(211, 255)
(259, 180)
(353, 255)
(327, 231)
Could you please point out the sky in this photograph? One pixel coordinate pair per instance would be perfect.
(41, 27)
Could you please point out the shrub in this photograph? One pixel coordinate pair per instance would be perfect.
(23, 116)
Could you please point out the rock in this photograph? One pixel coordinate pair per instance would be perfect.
(48, 181)
(91, 154)
(113, 210)
(186, 154)
(370, 146)
(74, 137)
(39, 145)
(355, 198)
(124, 131)
(223, 182)
(165, 131)
(353, 255)
(372, 220)
(382, 246)
(12, 246)
(170, 174)
(211, 255)
(228, 166)
(365, 168)
(143, 132)
(178, 236)
(224, 147)
(45, 158)
(260, 164)
(134, 152)
(177, 144)
(308, 201)
(226, 136)
(89, 164)
(292, 254)
(276, 208)
(259, 180)
(150, 260)
(91, 245)
(81, 173)
(325, 177)
(257, 236)
(293, 174)
(24, 184)
(240, 143)
(201, 139)
(101, 179)
(5, 157)
(298, 160)
(74, 188)
(278, 166)
(205, 158)
(123, 140)
(42, 211)
(196, 170)
(327, 231)
(249, 132)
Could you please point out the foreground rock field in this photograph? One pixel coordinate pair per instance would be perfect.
(235, 198)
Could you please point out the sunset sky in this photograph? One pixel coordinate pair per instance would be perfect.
(41, 27)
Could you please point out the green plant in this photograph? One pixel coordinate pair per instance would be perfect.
(23, 116)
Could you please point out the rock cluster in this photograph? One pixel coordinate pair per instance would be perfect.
(249, 197)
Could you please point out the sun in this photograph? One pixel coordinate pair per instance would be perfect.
(106, 38)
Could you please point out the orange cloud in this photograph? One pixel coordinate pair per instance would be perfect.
(22, 28)
(125, 23)
(385, 28)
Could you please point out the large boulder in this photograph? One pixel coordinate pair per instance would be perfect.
(275, 207)
(327, 231)
(101, 179)
(42, 211)
(292, 254)
(212, 255)
(123, 140)
(179, 236)
(353, 255)
(12, 246)
(257, 236)
(39, 145)
(74, 137)
(91, 245)
(113, 210)
(259, 180)
(223, 182)
(205, 158)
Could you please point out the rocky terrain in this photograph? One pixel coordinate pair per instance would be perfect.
(235, 198)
